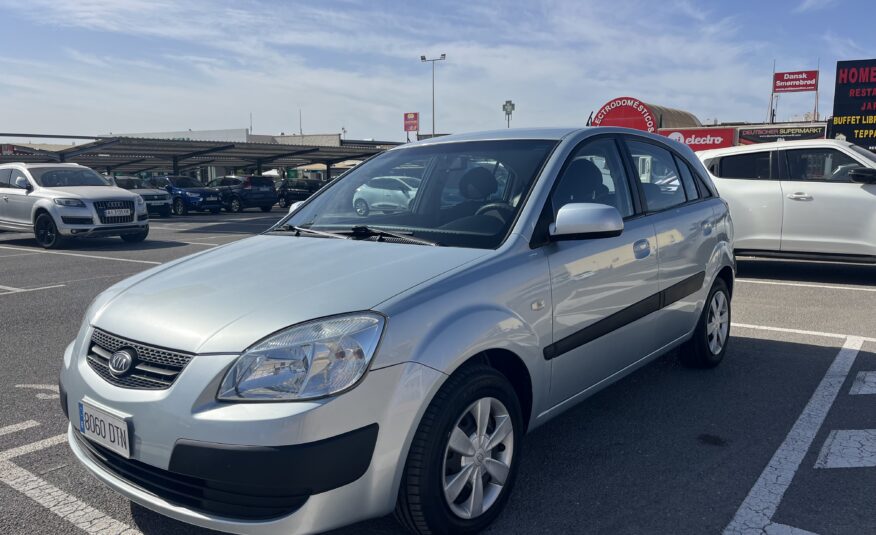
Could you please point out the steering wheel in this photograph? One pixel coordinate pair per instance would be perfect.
(501, 206)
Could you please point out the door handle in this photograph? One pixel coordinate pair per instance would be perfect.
(800, 196)
(641, 249)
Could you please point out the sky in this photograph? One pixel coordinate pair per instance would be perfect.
(90, 67)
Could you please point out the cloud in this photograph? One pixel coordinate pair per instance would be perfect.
(813, 5)
(207, 64)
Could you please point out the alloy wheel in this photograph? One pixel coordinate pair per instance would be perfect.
(45, 231)
(718, 323)
(477, 458)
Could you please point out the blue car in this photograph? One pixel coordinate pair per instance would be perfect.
(188, 194)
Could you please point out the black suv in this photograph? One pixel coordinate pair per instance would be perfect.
(291, 190)
(241, 192)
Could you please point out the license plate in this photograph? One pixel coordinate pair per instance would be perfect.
(116, 212)
(106, 429)
(212, 198)
(265, 189)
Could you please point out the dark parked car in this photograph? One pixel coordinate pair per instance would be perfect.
(188, 194)
(290, 190)
(241, 192)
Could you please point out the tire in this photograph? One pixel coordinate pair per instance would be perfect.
(179, 207)
(710, 339)
(265, 208)
(282, 202)
(46, 232)
(235, 206)
(135, 238)
(361, 207)
(423, 505)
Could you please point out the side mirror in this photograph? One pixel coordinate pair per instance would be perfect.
(294, 206)
(863, 175)
(22, 183)
(579, 221)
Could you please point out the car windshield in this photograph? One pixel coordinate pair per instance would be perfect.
(184, 182)
(865, 153)
(62, 177)
(462, 194)
(129, 183)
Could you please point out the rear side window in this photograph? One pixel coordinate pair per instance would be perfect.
(687, 180)
(754, 165)
(819, 164)
(261, 182)
(4, 177)
(658, 175)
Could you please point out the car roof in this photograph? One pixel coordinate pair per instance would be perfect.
(759, 147)
(38, 165)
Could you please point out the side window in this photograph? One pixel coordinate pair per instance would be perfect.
(750, 165)
(819, 164)
(4, 177)
(658, 175)
(687, 180)
(594, 174)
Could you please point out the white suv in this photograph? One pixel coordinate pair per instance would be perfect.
(59, 201)
(799, 199)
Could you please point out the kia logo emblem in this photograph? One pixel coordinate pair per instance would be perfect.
(120, 362)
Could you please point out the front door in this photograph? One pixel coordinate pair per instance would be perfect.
(599, 286)
(20, 204)
(4, 194)
(824, 211)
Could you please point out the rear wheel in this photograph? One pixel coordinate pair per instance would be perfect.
(463, 460)
(179, 207)
(282, 202)
(235, 205)
(136, 237)
(712, 336)
(46, 232)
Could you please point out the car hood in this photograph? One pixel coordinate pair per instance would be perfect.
(90, 192)
(224, 300)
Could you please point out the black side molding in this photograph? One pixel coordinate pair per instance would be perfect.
(632, 313)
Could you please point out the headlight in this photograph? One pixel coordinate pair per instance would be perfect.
(140, 201)
(307, 361)
(194, 195)
(70, 202)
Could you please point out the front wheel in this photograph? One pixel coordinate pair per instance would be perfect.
(282, 202)
(463, 460)
(712, 335)
(136, 237)
(179, 207)
(235, 206)
(46, 232)
(361, 207)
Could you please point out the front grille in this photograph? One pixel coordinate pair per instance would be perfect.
(154, 368)
(154, 197)
(77, 220)
(103, 206)
(215, 497)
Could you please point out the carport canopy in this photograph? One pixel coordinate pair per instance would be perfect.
(118, 154)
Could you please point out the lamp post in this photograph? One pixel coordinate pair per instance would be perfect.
(508, 108)
(432, 61)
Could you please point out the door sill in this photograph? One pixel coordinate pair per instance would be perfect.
(815, 257)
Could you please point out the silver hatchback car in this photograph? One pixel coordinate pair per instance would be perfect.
(531, 269)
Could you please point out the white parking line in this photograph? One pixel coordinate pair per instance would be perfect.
(808, 285)
(756, 512)
(10, 290)
(84, 255)
(42, 395)
(848, 448)
(865, 383)
(200, 243)
(799, 331)
(14, 428)
(12, 453)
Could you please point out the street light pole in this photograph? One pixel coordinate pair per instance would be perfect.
(432, 61)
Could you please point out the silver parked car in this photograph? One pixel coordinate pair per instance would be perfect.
(426, 344)
(385, 194)
(60, 201)
(157, 200)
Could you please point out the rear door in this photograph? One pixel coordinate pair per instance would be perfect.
(684, 220)
(824, 211)
(749, 183)
(603, 289)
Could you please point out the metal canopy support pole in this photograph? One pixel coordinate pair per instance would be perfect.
(258, 167)
(328, 169)
(175, 165)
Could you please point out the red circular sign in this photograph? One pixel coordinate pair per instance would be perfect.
(627, 112)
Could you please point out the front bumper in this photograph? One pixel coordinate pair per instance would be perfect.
(201, 204)
(334, 461)
(85, 222)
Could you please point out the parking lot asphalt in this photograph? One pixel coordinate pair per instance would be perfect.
(781, 438)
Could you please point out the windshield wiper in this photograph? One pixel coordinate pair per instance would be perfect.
(301, 230)
(364, 231)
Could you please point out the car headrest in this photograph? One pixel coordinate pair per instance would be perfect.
(581, 182)
(477, 184)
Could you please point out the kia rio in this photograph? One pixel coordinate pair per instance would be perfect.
(531, 269)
